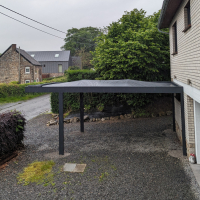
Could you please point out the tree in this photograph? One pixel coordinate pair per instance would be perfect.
(133, 49)
(77, 39)
(86, 57)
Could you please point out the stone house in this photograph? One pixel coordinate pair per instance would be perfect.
(54, 63)
(182, 18)
(15, 60)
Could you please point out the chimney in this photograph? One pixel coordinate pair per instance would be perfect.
(13, 47)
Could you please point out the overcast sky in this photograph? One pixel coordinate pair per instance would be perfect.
(62, 15)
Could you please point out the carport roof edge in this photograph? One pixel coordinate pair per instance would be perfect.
(108, 86)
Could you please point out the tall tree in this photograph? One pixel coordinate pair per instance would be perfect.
(133, 49)
(83, 38)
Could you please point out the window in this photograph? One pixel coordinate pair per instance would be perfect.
(27, 70)
(56, 55)
(32, 55)
(27, 81)
(174, 35)
(187, 17)
(60, 68)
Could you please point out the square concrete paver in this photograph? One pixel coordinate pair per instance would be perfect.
(80, 168)
(72, 167)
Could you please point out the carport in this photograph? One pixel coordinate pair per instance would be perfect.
(109, 86)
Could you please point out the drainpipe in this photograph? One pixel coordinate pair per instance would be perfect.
(19, 68)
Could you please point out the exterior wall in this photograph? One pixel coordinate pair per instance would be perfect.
(52, 67)
(9, 66)
(185, 66)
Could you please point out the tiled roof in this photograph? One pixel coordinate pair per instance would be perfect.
(28, 57)
(50, 55)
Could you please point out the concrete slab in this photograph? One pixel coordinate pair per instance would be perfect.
(72, 167)
(69, 167)
(55, 155)
(79, 168)
(196, 171)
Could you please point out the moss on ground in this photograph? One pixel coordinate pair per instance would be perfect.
(37, 172)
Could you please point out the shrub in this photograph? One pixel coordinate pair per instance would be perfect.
(11, 131)
(75, 75)
(74, 68)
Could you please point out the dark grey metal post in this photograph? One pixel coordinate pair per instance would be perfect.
(81, 113)
(61, 125)
(183, 125)
(173, 107)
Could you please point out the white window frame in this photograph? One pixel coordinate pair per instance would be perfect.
(28, 81)
(29, 70)
(59, 68)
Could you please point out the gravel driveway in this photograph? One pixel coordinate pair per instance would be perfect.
(138, 158)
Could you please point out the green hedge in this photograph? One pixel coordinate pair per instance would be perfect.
(95, 100)
(75, 75)
(13, 90)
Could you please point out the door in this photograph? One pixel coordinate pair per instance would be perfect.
(60, 68)
(197, 130)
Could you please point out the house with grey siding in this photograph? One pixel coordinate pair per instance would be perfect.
(54, 63)
(182, 17)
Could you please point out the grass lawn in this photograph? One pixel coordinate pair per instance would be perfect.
(15, 99)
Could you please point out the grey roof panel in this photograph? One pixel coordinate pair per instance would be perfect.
(108, 86)
(50, 55)
(28, 57)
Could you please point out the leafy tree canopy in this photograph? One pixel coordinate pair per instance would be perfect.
(133, 49)
(77, 39)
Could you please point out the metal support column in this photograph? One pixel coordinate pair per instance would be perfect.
(81, 113)
(183, 125)
(173, 107)
(61, 125)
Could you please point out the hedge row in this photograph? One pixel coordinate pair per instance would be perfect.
(75, 75)
(13, 89)
(95, 100)
(11, 131)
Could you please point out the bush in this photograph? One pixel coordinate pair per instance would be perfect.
(18, 90)
(75, 75)
(74, 68)
(11, 131)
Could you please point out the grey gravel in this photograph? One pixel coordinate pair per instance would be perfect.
(126, 159)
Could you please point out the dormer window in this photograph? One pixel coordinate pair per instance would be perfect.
(187, 16)
(56, 55)
(32, 55)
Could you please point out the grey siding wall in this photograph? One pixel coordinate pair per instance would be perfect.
(52, 67)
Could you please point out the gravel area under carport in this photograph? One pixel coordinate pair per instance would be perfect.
(141, 157)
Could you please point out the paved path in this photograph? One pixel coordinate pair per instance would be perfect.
(30, 108)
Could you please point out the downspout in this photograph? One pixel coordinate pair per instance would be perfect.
(19, 68)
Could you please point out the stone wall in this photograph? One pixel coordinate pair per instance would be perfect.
(9, 66)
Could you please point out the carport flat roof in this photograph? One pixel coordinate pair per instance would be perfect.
(107, 86)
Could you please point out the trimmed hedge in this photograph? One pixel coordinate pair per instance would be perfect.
(95, 100)
(11, 131)
(75, 75)
(13, 90)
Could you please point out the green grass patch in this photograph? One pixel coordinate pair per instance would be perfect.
(37, 172)
(15, 98)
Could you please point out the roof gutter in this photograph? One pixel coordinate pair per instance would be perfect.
(164, 7)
